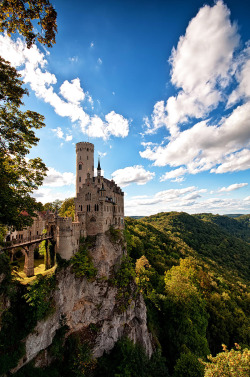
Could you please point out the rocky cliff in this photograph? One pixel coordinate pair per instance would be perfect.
(85, 304)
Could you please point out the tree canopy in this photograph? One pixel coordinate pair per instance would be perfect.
(19, 16)
(19, 175)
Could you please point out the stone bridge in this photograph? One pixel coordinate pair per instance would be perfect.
(27, 247)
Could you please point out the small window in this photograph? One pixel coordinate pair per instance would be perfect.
(87, 149)
(80, 166)
(80, 179)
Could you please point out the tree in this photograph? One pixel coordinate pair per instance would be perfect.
(20, 176)
(19, 15)
(68, 208)
(53, 206)
(233, 363)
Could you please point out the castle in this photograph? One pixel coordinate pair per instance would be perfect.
(99, 204)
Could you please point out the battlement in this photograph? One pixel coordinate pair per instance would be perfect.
(84, 145)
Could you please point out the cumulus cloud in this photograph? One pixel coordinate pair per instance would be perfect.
(132, 174)
(242, 91)
(232, 187)
(72, 92)
(234, 162)
(117, 125)
(176, 173)
(201, 68)
(204, 63)
(56, 179)
(32, 65)
(204, 146)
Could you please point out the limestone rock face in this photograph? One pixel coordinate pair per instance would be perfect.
(107, 255)
(83, 303)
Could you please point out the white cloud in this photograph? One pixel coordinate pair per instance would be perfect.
(33, 64)
(92, 44)
(102, 154)
(202, 146)
(72, 91)
(189, 199)
(117, 125)
(234, 162)
(176, 173)
(74, 59)
(59, 132)
(68, 137)
(56, 179)
(201, 68)
(132, 174)
(47, 195)
(233, 187)
(242, 76)
(99, 61)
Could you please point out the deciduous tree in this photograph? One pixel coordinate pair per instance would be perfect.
(23, 16)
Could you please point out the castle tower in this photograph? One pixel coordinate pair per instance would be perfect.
(84, 163)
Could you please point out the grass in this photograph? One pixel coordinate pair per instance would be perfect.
(39, 268)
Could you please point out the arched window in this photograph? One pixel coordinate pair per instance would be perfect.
(80, 166)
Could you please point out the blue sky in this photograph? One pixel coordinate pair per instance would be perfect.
(160, 87)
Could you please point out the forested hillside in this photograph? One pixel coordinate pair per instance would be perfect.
(194, 276)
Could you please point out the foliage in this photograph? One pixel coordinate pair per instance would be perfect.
(20, 177)
(143, 273)
(78, 361)
(196, 291)
(233, 363)
(19, 15)
(82, 264)
(129, 360)
(39, 295)
(53, 206)
(115, 235)
(67, 208)
(124, 280)
(210, 240)
(238, 227)
(188, 366)
(19, 320)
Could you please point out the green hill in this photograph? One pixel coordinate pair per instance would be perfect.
(194, 274)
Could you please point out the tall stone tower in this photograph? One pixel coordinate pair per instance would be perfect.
(84, 163)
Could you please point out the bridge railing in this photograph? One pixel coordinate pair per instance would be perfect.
(17, 241)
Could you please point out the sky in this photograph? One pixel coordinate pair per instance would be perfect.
(161, 88)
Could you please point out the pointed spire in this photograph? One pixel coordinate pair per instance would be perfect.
(99, 167)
